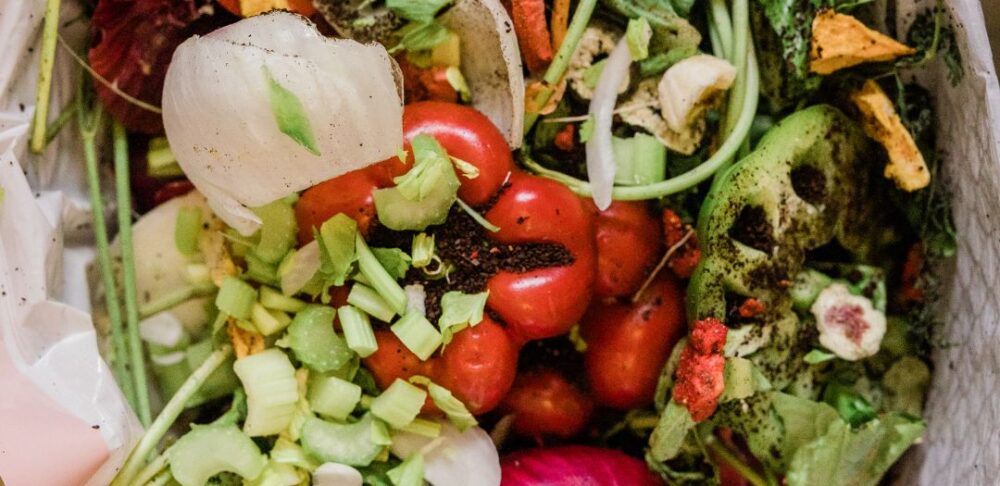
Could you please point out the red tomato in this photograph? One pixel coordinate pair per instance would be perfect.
(478, 366)
(545, 404)
(628, 245)
(628, 344)
(350, 194)
(548, 301)
(468, 135)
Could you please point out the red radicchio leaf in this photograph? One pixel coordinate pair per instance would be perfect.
(134, 42)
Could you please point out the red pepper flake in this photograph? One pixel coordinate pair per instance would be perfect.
(532, 33)
(686, 258)
(910, 291)
(566, 138)
(751, 308)
(699, 378)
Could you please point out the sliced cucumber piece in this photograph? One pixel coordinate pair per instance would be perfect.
(209, 450)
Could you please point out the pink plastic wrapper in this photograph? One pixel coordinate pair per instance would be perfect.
(64, 422)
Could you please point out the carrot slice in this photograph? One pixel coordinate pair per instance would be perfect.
(532, 33)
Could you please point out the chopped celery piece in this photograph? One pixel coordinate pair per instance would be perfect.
(459, 310)
(337, 240)
(367, 299)
(288, 452)
(272, 391)
(260, 271)
(188, 230)
(278, 474)
(160, 160)
(349, 444)
(380, 433)
(424, 428)
(422, 196)
(277, 231)
(422, 252)
(333, 474)
(641, 159)
(299, 268)
(379, 278)
(357, 330)
(451, 406)
(266, 322)
(395, 261)
(312, 338)
(274, 300)
(399, 404)
(409, 473)
(220, 383)
(417, 334)
(332, 397)
(236, 298)
(209, 450)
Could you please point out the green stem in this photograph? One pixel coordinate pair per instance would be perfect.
(48, 57)
(168, 415)
(555, 71)
(725, 455)
(719, 20)
(175, 298)
(64, 117)
(89, 124)
(161, 480)
(152, 469)
(124, 196)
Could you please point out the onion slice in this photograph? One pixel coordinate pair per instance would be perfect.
(600, 154)
(454, 458)
(223, 128)
(491, 63)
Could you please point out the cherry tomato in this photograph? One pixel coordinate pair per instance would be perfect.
(548, 301)
(545, 404)
(628, 245)
(628, 344)
(477, 366)
(350, 194)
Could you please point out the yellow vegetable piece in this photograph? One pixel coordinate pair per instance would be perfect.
(906, 164)
(840, 41)
(245, 343)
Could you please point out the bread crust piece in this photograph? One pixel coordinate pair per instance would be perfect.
(840, 41)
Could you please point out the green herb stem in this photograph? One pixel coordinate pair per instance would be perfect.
(64, 117)
(168, 415)
(124, 196)
(48, 57)
(90, 122)
(560, 62)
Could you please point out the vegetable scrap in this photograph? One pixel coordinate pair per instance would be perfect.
(840, 41)
(906, 167)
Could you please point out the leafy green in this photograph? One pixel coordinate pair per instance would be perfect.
(416, 10)
(290, 114)
(929, 35)
(656, 65)
(804, 420)
(852, 406)
(668, 436)
(854, 457)
(818, 356)
(395, 261)
(459, 310)
(666, 18)
(337, 248)
(417, 36)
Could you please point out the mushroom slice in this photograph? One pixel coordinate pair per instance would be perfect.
(491, 63)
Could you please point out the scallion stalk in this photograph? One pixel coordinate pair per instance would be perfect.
(124, 195)
(357, 330)
(367, 299)
(399, 404)
(379, 277)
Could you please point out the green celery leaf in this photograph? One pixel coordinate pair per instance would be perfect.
(421, 37)
(416, 10)
(290, 114)
(395, 261)
(459, 310)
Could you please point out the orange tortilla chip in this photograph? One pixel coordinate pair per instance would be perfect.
(881, 122)
(840, 41)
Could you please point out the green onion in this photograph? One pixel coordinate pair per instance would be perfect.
(50, 33)
(188, 230)
(379, 278)
(367, 299)
(637, 35)
(399, 404)
(409, 473)
(395, 261)
(277, 231)
(265, 322)
(422, 252)
(315, 344)
(424, 428)
(236, 298)
(357, 330)
(160, 161)
(641, 159)
(337, 240)
(459, 310)
(451, 406)
(417, 334)
(479, 218)
(274, 300)
(350, 444)
(332, 397)
(272, 391)
(208, 450)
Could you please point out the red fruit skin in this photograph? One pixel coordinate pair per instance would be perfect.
(350, 194)
(628, 344)
(478, 366)
(575, 466)
(544, 302)
(545, 404)
(628, 246)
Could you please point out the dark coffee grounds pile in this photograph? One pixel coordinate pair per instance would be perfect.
(463, 245)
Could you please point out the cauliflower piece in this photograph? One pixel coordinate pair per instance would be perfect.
(840, 41)
(906, 164)
(673, 108)
(597, 41)
(848, 324)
